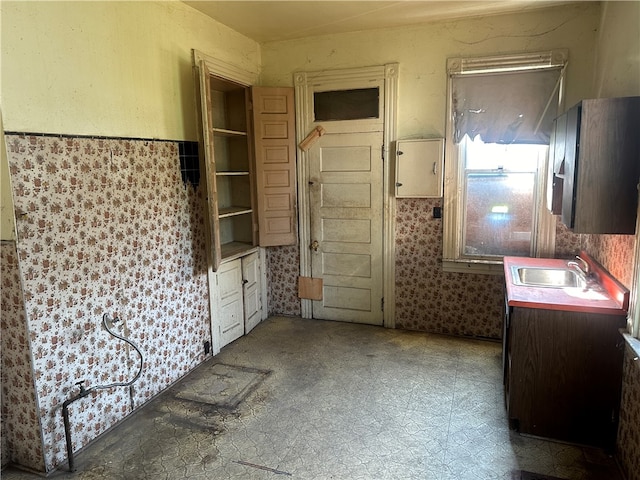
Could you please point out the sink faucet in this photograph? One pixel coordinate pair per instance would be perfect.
(582, 267)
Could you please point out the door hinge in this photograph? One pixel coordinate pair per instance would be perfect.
(382, 152)
(382, 304)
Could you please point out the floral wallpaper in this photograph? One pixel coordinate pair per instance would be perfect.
(426, 297)
(613, 252)
(109, 226)
(21, 441)
(432, 300)
(104, 226)
(283, 268)
(568, 244)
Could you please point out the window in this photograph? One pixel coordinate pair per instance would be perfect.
(351, 104)
(501, 112)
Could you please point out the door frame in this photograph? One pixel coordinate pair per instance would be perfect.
(304, 119)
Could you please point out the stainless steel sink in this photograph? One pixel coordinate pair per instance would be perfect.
(547, 277)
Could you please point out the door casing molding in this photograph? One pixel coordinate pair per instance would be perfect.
(387, 73)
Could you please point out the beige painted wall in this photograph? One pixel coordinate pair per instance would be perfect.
(617, 72)
(422, 52)
(108, 68)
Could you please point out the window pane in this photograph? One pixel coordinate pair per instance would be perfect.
(492, 156)
(499, 213)
(353, 104)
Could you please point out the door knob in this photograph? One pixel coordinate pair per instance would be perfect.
(314, 246)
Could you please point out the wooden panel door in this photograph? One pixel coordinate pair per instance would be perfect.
(275, 153)
(251, 291)
(207, 163)
(229, 283)
(346, 226)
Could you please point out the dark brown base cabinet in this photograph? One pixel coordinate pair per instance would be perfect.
(563, 373)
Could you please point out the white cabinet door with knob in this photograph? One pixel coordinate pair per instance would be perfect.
(251, 291)
(419, 168)
(230, 301)
(239, 301)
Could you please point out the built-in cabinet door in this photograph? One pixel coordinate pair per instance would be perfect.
(231, 316)
(563, 374)
(572, 150)
(419, 168)
(207, 164)
(597, 161)
(555, 174)
(251, 291)
(239, 296)
(275, 154)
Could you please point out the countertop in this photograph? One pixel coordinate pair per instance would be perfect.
(604, 294)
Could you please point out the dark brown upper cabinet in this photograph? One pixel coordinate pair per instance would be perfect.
(595, 161)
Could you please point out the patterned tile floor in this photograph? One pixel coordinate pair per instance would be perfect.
(323, 400)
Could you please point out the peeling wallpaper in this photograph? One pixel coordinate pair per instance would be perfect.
(106, 226)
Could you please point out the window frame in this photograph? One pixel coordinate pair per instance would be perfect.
(453, 202)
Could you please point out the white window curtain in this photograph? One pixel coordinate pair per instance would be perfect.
(515, 107)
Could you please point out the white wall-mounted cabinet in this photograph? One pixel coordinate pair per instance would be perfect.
(419, 166)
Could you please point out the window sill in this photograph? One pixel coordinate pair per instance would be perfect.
(479, 267)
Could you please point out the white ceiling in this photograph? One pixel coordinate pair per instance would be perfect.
(266, 21)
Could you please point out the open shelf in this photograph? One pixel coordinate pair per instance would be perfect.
(235, 249)
(229, 133)
(231, 153)
(231, 174)
(232, 211)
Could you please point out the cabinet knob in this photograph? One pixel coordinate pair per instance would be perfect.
(314, 245)
(398, 184)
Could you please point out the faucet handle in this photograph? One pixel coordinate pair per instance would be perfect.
(585, 264)
(81, 385)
